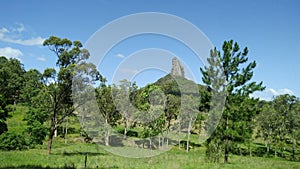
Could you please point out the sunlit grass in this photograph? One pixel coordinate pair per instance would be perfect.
(73, 155)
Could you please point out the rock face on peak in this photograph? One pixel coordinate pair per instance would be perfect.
(177, 70)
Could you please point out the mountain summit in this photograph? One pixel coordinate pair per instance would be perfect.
(177, 70)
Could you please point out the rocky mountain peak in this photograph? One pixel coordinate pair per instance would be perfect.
(177, 69)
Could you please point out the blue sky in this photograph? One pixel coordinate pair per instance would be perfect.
(270, 29)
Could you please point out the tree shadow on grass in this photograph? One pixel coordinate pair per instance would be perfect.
(83, 153)
(116, 141)
(48, 167)
(36, 167)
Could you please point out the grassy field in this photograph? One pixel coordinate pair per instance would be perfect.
(72, 155)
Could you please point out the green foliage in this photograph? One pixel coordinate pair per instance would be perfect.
(47, 99)
(176, 85)
(11, 82)
(226, 73)
(32, 85)
(71, 62)
(35, 126)
(34, 95)
(11, 79)
(106, 105)
(279, 124)
(214, 150)
(123, 96)
(12, 141)
(3, 115)
(152, 109)
(172, 108)
(189, 112)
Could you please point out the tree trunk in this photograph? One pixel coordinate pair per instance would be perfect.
(82, 124)
(52, 131)
(66, 132)
(268, 149)
(189, 133)
(226, 153)
(158, 142)
(167, 142)
(162, 142)
(250, 150)
(55, 133)
(106, 133)
(179, 132)
(293, 149)
(281, 151)
(179, 139)
(125, 128)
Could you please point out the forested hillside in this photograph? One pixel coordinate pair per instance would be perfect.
(37, 109)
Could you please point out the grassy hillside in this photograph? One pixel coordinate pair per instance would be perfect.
(72, 154)
(16, 122)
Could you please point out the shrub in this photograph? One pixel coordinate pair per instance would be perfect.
(12, 141)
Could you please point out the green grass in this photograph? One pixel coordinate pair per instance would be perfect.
(72, 155)
(16, 122)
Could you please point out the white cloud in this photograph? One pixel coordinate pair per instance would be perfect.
(19, 29)
(42, 59)
(3, 30)
(285, 91)
(9, 35)
(129, 71)
(10, 52)
(270, 93)
(119, 55)
(27, 42)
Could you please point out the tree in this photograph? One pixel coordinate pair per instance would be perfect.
(266, 124)
(226, 72)
(151, 104)
(293, 125)
(284, 121)
(37, 116)
(279, 123)
(171, 111)
(36, 128)
(189, 111)
(11, 79)
(11, 82)
(33, 95)
(122, 99)
(32, 85)
(71, 60)
(155, 123)
(3, 115)
(107, 109)
(12, 141)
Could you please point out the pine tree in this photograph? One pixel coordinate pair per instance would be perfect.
(227, 73)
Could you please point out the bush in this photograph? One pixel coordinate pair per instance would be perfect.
(37, 133)
(12, 141)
